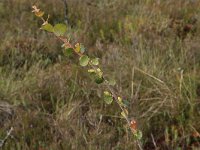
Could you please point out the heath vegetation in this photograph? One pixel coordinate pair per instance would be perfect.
(144, 56)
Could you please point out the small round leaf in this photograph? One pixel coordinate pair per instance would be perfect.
(68, 52)
(59, 29)
(108, 97)
(47, 27)
(84, 60)
(138, 135)
(95, 61)
(99, 80)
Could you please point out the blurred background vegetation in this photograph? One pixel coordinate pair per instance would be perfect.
(150, 47)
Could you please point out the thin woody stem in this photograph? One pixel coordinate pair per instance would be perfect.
(107, 85)
(115, 97)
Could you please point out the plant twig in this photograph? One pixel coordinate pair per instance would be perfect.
(113, 94)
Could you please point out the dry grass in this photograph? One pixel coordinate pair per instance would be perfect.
(151, 48)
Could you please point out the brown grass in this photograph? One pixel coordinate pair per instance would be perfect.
(151, 48)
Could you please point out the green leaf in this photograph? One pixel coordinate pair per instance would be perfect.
(122, 102)
(108, 97)
(126, 103)
(124, 113)
(99, 80)
(97, 75)
(84, 60)
(138, 135)
(82, 48)
(99, 72)
(68, 52)
(92, 71)
(60, 29)
(47, 27)
(95, 61)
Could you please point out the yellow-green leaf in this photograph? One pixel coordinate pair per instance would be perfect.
(91, 71)
(108, 98)
(47, 27)
(124, 113)
(138, 135)
(84, 60)
(95, 61)
(60, 29)
(119, 99)
(99, 72)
